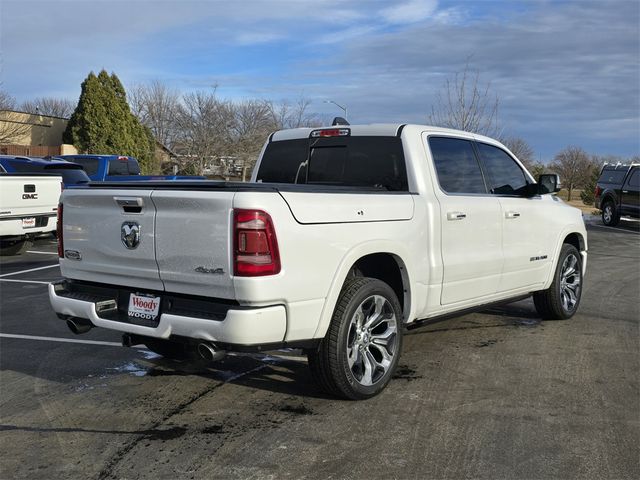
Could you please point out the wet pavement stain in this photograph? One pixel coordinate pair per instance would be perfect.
(213, 429)
(404, 372)
(486, 343)
(148, 434)
(156, 372)
(300, 409)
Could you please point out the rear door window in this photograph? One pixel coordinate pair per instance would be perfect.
(357, 161)
(456, 165)
(504, 174)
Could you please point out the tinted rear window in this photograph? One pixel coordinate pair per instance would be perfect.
(90, 165)
(342, 161)
(612, 176)
(119, 167)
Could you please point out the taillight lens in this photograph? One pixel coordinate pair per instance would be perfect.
(255, 245)
(331, 132)
(59, 232)
(598, 191)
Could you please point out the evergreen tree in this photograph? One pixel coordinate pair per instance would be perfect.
(103, 123)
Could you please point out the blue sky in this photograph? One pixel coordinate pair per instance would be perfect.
(566, 72)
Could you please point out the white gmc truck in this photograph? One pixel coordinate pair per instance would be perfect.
(345, 237)
(28, 205)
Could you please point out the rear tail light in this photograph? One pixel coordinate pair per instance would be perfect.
(255, 245)
(598, 191)
(59, 232)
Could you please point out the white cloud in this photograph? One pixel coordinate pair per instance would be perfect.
(255, 38)
(410, 11)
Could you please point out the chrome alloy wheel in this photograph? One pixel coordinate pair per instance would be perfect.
(570, 279)
(371, 341)
(607, 213)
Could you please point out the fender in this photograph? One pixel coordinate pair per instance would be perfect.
(573, 228)
(352, 256)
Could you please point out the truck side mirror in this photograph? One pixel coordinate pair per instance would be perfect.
(548, 183)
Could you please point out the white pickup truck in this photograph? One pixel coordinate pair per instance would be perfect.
(28, 206)
(345, 237)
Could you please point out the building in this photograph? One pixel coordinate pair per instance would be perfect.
(28, 134)
(24, 133)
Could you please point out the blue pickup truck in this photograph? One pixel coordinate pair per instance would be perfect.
(116, 168)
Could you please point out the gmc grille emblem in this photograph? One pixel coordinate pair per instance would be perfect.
(130, 235)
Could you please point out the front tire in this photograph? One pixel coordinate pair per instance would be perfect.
(361, 349)
(561, 300)
(610, 214)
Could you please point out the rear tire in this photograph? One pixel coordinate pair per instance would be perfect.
(361, 349)
(561, 300)
(170, 349)
(15, 247)
(610, 214)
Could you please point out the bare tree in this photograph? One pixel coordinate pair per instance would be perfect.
(205, 128)
(7, 102)
(574, 167)
(12, 127)
(296, 115)
(156, 106)
(521, 149)
(51, 106)
(466, 104)
(253, 121)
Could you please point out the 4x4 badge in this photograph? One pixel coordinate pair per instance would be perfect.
(130, 235)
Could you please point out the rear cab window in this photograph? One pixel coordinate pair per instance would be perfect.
(348, 161)
(90, 165)
(119, 166)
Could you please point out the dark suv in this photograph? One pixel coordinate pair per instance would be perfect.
(618, 192)
(71, 173)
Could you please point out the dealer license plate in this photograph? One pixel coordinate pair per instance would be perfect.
(144, 306)
(29, 222)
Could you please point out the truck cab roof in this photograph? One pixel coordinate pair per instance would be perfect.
(376, 129)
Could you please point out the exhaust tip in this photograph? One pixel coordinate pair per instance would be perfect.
(208, 352)
(79, 325)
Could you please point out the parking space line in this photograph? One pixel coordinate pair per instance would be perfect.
(59, 339)
(27, 271)
(22, 281)
(42, 253)
(614, 229)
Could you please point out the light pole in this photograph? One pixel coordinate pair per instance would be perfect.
(344, 109)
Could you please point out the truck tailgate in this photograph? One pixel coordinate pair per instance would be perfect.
(193, 241)
(96, 224)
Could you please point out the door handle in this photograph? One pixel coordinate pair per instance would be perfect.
(625, 191)
(456, 215)
(130, 204)
(512, 214)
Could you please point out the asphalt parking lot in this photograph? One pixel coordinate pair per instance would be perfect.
(497, 394)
